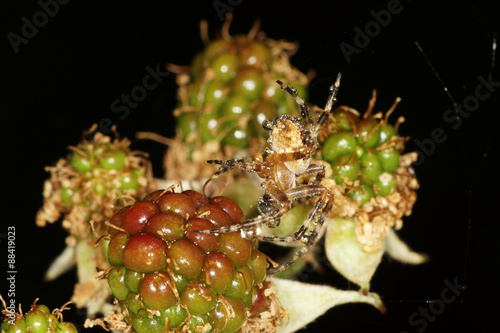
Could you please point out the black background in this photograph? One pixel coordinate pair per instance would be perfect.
(66, 77)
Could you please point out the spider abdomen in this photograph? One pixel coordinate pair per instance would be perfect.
(284, 177)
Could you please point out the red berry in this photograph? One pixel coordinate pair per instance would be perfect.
(178, 203)
(236, 248)
(145, 253)
(154, 196)
(206, 242)
(199, 199)
(187, 258)
(230, 207)
(116, 247)
(166, 225)
(218, 272)
(216, 215)
(157, 291)
(135, 218)
(117, 220)
(259, 301)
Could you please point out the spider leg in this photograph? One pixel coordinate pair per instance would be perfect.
(319, 213)
(316, 169)
(249, 163)
(292, 91)
(248, 224)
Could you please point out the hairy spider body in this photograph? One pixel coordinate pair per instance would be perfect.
(292, 143)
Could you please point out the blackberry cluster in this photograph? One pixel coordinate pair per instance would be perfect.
(225, 95)
(364, 149)
(373, 182)
(85, 185)
(167, 276)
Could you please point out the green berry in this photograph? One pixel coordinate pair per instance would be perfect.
(242, 283)
(249, 82)
(371, 166)
(36, 321)
(226, 66)
(389, 160)
(337, 145)
(188, 123)
(198, 298)
(258, 265)
(129, 182)
(387, 132)
(66, 195)
(81, 163)
(216, 94)
(256, 54)
(346, 166)
(116, 281)
(113, 160)
(344, 119)
(176, 315)
(66, 327)
(133, 280)
(221, 318)
(368, 132)
(361, 194)
(385, 184)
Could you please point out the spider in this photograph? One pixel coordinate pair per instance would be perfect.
(291, 144)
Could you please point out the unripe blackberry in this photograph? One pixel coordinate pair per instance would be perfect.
(373, 182)
(166, 276)
(225, 95)
(83, 189)
(85, 185)
(38, 319)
